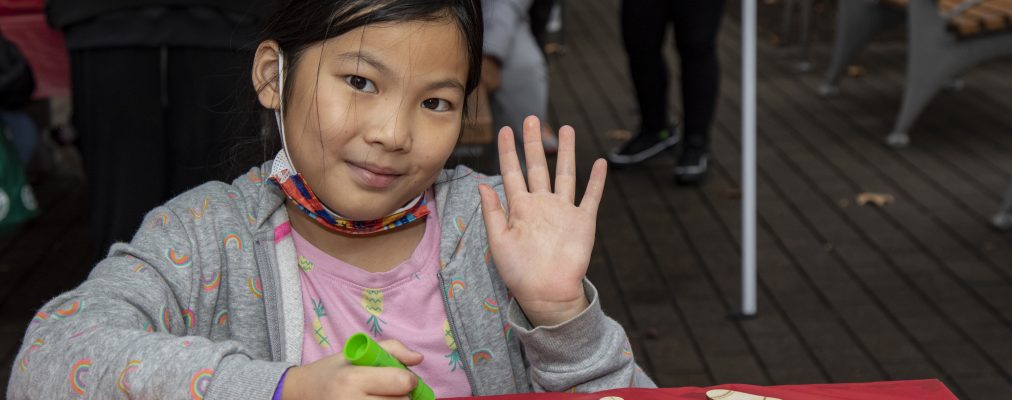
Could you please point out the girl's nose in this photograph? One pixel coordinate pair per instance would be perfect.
(391, 132)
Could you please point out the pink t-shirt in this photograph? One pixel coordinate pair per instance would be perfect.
(405, 303)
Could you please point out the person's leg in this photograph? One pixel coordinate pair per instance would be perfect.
(523, 90)
(644, 23)
(202, 115)
(696, 25)
(117, 114)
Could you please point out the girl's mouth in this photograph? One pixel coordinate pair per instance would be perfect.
(373, 176)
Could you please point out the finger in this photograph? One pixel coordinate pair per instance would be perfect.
(565, 164)
(595, 187)
(492, 212)
(384, 381)
(509, 165)
(401, 352)
(538, 180)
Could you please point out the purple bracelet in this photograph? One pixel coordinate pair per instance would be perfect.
(281, 384)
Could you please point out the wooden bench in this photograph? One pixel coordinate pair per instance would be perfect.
(945, 38)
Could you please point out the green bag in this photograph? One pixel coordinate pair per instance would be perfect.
(17, 201)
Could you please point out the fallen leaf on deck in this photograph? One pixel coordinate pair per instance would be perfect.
(731, 193)
(619, 134)
(854, 71)
(878, 199)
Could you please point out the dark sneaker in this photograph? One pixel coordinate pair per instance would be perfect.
(643, 146)
(692, 166)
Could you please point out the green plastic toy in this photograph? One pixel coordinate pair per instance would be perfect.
(361, 350)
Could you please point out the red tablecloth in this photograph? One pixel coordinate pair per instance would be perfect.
(930, 389)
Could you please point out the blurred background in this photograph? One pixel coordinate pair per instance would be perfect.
(884, 167)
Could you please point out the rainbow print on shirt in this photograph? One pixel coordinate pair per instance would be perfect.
(372, 302)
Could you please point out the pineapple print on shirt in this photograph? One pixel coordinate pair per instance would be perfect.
(318, 331)
(454, 356)
(305, 264)
(372, 302)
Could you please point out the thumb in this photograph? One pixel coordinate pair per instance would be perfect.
(401, 352)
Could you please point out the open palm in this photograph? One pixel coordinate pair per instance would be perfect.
(542, 245)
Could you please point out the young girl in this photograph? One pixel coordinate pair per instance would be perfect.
(249, 290)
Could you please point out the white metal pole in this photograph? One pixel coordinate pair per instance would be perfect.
(748, 158)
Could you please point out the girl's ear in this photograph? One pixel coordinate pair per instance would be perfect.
(265, 74)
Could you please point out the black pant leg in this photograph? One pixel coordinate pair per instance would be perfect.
(644, 23)
(117, 113)
(205, 87)
(696, 25)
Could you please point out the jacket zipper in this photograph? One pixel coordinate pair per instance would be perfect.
(273, 334)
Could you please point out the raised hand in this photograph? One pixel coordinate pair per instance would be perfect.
(542, 245)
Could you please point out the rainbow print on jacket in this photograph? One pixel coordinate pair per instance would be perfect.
(166, 320)
(490, 305)
(232, 240)
(221, 318)
(123, 382)
(255, 287)
(198, 213)
(455, 287)
(68, 310)
(77, 373)
(179, 260)
(189, 318)
(23, 365)
(480, 357)
(199, 383)
(210, 282)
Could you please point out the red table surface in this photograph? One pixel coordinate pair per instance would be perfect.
(929, 389)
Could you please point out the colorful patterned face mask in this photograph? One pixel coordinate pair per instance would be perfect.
(295, 187)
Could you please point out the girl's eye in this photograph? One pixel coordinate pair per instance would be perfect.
(435, 104)
(360, 83)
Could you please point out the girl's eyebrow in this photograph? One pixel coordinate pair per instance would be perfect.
(368, 58)
(382, 68)
(446, 83)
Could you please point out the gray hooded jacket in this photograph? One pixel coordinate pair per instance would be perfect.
(205, 302)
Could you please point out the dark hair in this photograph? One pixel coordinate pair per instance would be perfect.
(299, 24)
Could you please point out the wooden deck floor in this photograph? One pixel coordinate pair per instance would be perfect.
(920, 288)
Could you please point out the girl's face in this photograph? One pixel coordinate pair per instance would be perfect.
(374, 113)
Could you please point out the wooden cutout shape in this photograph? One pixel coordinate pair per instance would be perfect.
(724, 394)
(879, 199)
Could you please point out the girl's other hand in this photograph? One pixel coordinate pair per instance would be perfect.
(333, 378)
(542, 246)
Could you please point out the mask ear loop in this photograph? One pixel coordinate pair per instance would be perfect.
(279, 114)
